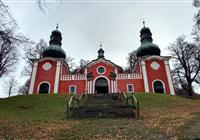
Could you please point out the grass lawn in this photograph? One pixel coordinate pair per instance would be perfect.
(43, 117)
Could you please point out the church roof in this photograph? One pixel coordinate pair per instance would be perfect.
(101, 58)
(147, 47)
(54, 49)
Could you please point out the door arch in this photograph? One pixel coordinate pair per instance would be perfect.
(158, 87)
(101, 85)
(44, 88)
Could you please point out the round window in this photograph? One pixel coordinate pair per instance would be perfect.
(101, 70)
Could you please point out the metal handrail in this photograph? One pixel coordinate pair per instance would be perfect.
(73, 102)
(134, 102)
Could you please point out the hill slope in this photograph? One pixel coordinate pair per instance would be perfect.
(43, 116)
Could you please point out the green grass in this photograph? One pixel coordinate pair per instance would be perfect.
(43, 117)
(123, 129)
(34, 107)
(154, 101)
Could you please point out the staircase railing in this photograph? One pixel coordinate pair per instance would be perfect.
(74, 102)
(132, 101)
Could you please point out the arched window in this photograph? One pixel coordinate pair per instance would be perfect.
(158, 87)
(44, 88)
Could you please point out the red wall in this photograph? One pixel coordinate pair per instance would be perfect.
(64, 86)
(94, 67)
(138, 85)
(42, 75)
(157, 74)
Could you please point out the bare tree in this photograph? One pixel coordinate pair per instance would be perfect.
(33, 52)
(80, 69)
(186, 60)
(9, 41)
(24, 89)
(70, 62)
(132, 59)
(12, 86)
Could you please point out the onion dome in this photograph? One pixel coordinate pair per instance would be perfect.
(147, 48)
(54, 49)
(100, 51)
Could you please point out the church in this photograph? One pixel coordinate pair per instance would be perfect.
(151, 74)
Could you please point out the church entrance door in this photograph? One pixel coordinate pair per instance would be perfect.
(101, 85)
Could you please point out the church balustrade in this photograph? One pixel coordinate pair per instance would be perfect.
(129, 76)
(73, 77)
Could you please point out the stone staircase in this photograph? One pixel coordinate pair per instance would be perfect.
(103, 106)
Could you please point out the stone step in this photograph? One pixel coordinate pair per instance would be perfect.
(103, 106)
(105, 112)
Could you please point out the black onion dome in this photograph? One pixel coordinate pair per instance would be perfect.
(100, 51)
(54, 49)
(147, 48)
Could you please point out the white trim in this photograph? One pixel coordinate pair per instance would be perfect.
(169, 78)
(61, 70)
(159, 81)
(50, 58)
(100, 67)
(154, 57)
(91, 87)
(70, 89)
(127, 88)
(85, 71)
(38, 88)
(46, 66)
(101, 76)
(117, 89)
(115, 86)
(144, 72)
(57, 77)
(116, 71)
(112, 86)
(31, 87)
(103, 61)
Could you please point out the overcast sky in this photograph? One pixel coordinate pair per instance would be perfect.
(117, 24)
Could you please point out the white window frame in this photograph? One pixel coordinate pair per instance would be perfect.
(161, 82)
(74, 89)
(128, 88)
(100, 67)
(38, 88)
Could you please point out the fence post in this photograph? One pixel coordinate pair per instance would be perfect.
(138, 110)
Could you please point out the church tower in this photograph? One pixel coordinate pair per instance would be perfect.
(155, 68)
(46, 71)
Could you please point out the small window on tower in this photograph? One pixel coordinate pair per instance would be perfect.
(72, 89)
(129, 88)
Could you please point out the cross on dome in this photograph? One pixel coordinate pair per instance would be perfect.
(144, 23)
(57, 26)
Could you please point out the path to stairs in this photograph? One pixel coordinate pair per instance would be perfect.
(103, 106)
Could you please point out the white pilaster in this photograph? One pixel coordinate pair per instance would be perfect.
(35, 65)
(115, 70)
(169, 78)
(88, 87)
(111, 86)
(91, 86)
(115, 86)
(56, 83)
(85, 72)
(144, 71)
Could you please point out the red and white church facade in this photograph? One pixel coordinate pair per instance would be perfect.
(151, 74)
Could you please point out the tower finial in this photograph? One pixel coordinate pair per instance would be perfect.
(57, 26)
(100, 45)
(144, 23)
